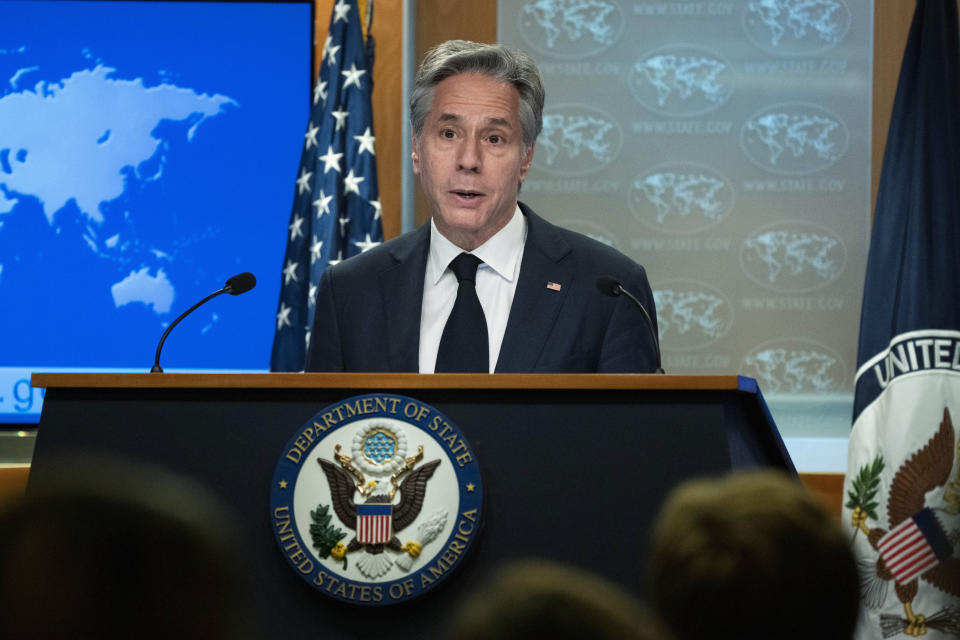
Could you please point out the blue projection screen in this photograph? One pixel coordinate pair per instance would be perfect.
(148, 152)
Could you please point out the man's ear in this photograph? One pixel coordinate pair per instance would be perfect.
(526, 161)
(415, 154)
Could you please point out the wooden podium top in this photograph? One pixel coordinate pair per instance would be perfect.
(392, 381)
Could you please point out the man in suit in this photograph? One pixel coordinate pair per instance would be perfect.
(476, 111)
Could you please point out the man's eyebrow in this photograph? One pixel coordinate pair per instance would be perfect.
(497, 122)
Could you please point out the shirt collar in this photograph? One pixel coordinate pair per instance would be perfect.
(500, 253)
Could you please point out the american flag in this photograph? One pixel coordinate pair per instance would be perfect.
(374, 523)
(913, 546)
(336, 205)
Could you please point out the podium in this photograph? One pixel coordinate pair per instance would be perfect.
(574, 467)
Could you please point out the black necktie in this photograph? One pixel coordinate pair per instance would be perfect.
(463, 346)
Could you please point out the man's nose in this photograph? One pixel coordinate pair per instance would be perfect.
(469, 158)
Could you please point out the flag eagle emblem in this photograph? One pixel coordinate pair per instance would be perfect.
(916, 547)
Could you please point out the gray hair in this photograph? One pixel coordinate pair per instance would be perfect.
(500, 63)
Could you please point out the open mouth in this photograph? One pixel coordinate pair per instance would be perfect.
(467, 195)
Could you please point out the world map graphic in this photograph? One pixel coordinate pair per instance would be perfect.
(84, 169)
(138, 172)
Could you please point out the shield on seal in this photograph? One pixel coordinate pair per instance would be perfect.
(374, 523)
(913, 546)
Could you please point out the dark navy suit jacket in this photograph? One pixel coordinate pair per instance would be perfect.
(368, 308)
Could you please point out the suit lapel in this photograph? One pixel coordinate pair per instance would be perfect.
(402, 289)
(536, 306)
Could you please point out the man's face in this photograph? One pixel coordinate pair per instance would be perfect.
(470, 157)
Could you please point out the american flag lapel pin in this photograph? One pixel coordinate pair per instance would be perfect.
(554, 286)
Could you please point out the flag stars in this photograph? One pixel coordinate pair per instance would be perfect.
(295, 228)
(331, 160)
(311, 136)
(312, 297)
(378, 210)
(351, 183)
(343, 230)
(353, 75)
(315, 250)
(341, 117)
(290, 273)
(340, 10)
(283, 316)
(336, 260)
(365, 245)
(320, 91)
(330, 51)
(322, 204)
(366, 142)
(303, 182)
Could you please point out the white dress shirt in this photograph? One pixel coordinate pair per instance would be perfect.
(496, 284)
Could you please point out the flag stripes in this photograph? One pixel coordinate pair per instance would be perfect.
(374, 523)
(913, 546)
(906, 552)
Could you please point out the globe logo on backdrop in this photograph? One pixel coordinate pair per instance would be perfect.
(794, 138)
(793, 256)
(590, 230)
(796, 365)
(681, 80)
(691, 315)
(681, 197)
(796, 27)
(576, 140)
(570, 28)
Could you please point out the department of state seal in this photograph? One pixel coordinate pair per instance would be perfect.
(376, 499)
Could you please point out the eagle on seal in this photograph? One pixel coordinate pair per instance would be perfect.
(345, 480)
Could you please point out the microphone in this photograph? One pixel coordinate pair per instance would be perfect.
(240, 283)
(608, 286)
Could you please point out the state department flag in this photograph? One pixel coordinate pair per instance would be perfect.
(336, 204)
(903, 473)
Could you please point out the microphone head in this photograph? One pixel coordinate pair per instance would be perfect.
(240, 283)
(608, 286)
